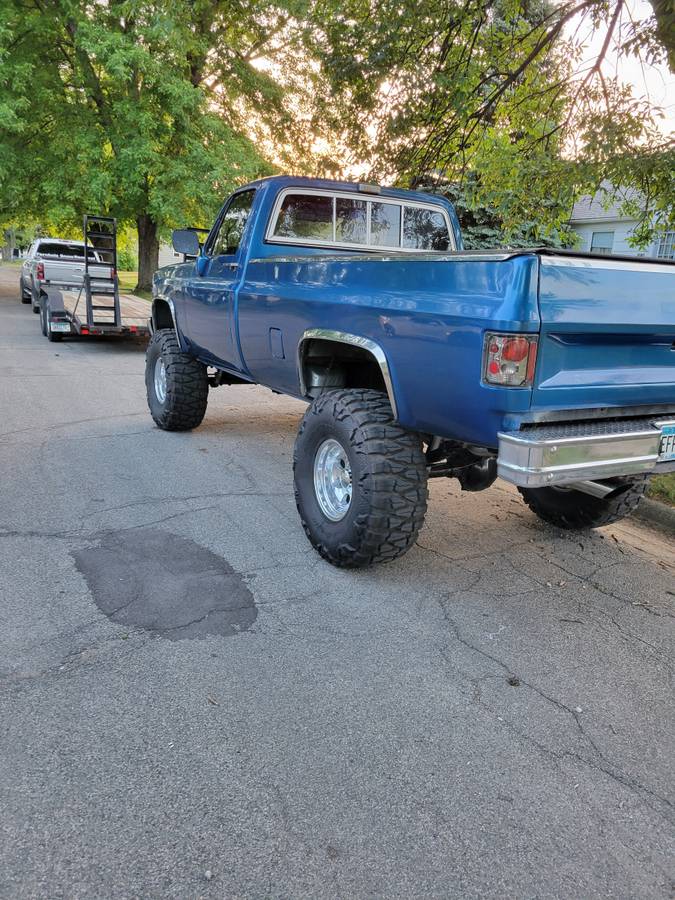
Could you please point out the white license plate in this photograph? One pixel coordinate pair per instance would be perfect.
(60, 326)
(667, 443)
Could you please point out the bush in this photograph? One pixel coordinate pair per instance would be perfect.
(126, 260)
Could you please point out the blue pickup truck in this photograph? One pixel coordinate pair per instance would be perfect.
(554, 370)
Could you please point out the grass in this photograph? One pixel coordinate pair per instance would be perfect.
(128, 282)
(11, 262)
(662, 487)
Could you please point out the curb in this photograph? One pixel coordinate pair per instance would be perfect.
(656, 514)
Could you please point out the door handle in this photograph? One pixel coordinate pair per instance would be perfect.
(233, 266)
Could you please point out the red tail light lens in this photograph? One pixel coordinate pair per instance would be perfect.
(515, 349)
(510, 359)
(40, 271)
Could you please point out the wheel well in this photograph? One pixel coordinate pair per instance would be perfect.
(327, 365)
(162, 317)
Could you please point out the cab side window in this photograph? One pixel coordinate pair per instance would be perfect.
(232, 225)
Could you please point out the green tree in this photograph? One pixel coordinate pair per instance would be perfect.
(148, 111)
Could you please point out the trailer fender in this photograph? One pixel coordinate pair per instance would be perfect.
(54, 299)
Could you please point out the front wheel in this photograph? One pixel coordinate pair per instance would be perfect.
(360, 479)
(575, 510)
(176, 383)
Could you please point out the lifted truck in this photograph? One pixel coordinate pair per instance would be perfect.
(91, 304)
(552, 369)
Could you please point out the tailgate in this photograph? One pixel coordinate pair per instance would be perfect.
(607, 333)
(72, 272)
(63, 272)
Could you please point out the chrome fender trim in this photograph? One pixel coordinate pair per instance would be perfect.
(342, 337)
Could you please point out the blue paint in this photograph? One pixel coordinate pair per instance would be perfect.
(606, 333)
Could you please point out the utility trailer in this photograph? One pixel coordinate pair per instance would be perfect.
(94, 306)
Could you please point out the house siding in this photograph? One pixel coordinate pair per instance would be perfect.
(168, 256)
(622, 231)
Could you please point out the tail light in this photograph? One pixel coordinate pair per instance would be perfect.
(509, 359)
(40, 271)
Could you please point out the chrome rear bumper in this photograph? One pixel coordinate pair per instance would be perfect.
(541, 455)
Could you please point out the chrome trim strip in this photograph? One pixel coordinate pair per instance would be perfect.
(606, 263)
(355, 340)
(531, 461)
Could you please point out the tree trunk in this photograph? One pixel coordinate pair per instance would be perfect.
(148, 251)
(9, 245)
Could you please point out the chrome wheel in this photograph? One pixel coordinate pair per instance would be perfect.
(333, 480)
(160, 380)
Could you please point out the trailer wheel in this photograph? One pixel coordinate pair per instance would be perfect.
(52, 336)
(22, 292)
(360, 479)
(43, 317)
(575, 510)
(176, 383)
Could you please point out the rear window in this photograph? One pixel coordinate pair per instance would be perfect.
(385, 224)
(63, 251)
(424, 229)
(305, 217)
(343, 220)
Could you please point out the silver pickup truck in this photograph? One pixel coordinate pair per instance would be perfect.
(56, 263)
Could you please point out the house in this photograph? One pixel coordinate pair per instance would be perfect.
(168, 256)
(605, 229)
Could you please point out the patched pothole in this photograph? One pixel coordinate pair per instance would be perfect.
(155, 580)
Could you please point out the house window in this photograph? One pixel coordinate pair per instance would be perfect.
(665, 248)
(602, 241)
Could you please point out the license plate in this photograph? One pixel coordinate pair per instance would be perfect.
(667, 443)
(60, 326)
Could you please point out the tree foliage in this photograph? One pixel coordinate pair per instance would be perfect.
(153, 112)
(145, 110)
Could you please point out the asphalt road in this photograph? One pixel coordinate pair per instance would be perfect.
(193, 704)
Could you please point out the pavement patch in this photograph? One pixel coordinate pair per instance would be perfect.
(152, 579)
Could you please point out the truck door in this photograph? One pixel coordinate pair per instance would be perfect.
(210, 297)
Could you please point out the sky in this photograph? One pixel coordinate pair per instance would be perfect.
(655, 82)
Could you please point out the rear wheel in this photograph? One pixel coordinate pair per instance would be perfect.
(575, 510)
(176, 384)
(360, 479)
(23, 293)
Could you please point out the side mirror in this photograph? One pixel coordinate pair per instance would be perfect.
(185, 241)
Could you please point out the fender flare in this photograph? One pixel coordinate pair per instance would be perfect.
(355, 340)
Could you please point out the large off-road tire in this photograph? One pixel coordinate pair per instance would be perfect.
(176, 383)
(23, 294)
(360, 479)
(575, 510)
